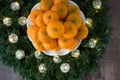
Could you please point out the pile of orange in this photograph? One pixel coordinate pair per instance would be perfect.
(57, 24)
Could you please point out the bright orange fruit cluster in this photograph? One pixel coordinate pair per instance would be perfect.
(57, 24)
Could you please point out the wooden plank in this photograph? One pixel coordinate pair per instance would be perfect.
(110, 64)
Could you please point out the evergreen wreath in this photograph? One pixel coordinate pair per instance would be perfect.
(92, 49)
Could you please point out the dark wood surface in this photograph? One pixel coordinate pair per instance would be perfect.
(110, 64)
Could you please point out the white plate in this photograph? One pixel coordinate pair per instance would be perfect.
(61, 52)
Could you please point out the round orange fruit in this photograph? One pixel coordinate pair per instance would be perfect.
(46, 4)
(60, 1)
(75, 18)
(74, 44)
(55, 29)
(39, 19)
(43, 36)
(50, 45)
(56, 49)
(61, 10)
(73, 9)
(32, 32)
(82, 32)
(42, 25)
(38, 46)
(50, 16)
(70, 30)
(64, 42)
(34, 14)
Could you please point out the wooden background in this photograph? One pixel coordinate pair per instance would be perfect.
(110, 64)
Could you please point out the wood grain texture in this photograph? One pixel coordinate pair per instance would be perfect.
(7, 73)
(110, 64)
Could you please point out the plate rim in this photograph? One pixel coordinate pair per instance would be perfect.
(55, 53)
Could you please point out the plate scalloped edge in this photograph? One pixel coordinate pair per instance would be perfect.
(61, 52)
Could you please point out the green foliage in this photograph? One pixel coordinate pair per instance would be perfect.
(28, 67)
